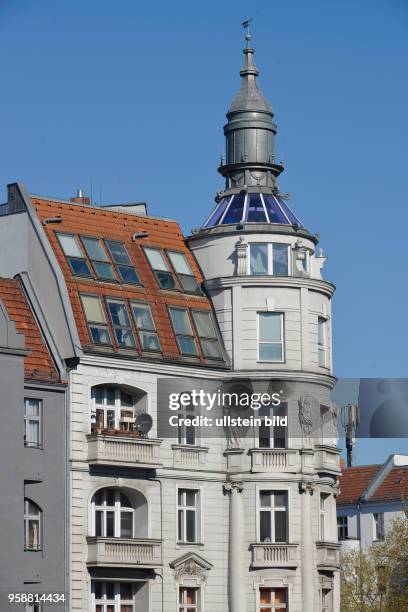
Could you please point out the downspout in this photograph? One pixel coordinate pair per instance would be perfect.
(161, 534)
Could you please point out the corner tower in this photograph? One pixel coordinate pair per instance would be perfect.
(262, 272)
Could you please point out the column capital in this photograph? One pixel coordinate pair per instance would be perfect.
(232, 485)
(306, 486)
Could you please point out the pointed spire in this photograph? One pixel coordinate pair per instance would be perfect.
(249, 97)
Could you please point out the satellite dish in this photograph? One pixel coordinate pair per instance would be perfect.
(143, 423)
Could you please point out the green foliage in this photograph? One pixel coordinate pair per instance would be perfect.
(377, 580)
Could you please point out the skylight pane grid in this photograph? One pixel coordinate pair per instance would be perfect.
(292, 218)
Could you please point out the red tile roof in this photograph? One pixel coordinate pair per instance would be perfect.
(354, 481)
(38, 364)
(394, 486)
(100, 223)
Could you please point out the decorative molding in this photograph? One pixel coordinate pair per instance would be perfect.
(232, 485)
(190, 565)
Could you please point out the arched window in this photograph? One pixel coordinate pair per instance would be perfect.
(113, 514)
(32, 525)
(115, 408)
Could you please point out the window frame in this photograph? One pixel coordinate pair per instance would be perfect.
(32, 518)
(95, 324)
(271, 607)
(183, 508)
(216, 336)
(124, 328)
(342, 527)
(259, 509)
(379, 526)
(117, 510)
(156, 271)
(117, 407)
(272, 429)
(281, 314)
(92, 261)
(116, 602)
(171, 307)
(322, 346)
(81, 249)
(142, 330)
(270, 258)
(180, 275)
(185, 606)
(117, 266)
(36, 418)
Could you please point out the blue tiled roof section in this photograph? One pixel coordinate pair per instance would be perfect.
(252, 208)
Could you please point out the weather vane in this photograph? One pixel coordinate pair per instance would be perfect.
(246, 24)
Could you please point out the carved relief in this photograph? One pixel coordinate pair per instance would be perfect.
(306, 418)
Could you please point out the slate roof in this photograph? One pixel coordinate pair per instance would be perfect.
(89, 221)
(38, 364)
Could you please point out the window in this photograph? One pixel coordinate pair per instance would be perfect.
(273, 599)
(342, 528)
(323, 522)
(327, 600)
(184, 272)
(123, 263)
(142, 315)
(96, 319)
(74, 255)
(270, 337)
(188, 515)
(207, 334)
(32, 525)
(100, 262)
(113, 596)
(321, 341)
(379, 532)
(186, 433)
(183, 330)
(272, 436)
(188, 599)
(269, 258)
(113, 408)
(273, 516)
(164, 277)
(121, 324)
(32, 422)
(113, 514)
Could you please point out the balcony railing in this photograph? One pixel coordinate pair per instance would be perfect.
(274, 460)
(328, 555)
(123, 552)
(123, 450)
(327, 458)
(189, 456)
(275, 555)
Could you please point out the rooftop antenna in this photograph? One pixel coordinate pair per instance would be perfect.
(350, 419)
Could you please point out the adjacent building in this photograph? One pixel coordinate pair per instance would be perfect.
(244, 522)
(371, 497)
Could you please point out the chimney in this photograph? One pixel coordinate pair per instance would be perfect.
(80, 198)
(342, 464)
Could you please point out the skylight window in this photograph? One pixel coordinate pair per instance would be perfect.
(95, 316)
(183, 330)
(184, 272)
(121, 323)
(146, 327)
(74, 255)
(164, 277)
(207, 334)
(100, 262)
(124, 265)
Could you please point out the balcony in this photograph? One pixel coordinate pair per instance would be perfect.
(328, 555)
(327, 459)
(274, 460)
(274, 555)
(118, 448)
(123, 552)
(189, 456)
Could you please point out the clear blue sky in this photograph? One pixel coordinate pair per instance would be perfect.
(130, 97)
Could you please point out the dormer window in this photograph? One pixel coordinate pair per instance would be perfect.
(96, 319)
(268, 259)
(161, 270)
(146, 328)
(121, 323)
(207, 334)
(183, 330)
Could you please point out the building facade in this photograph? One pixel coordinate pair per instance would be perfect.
(244, 522)
(371, 498)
